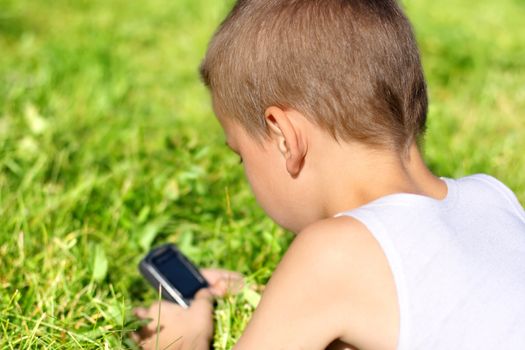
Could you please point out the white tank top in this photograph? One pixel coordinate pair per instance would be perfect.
(458, 264)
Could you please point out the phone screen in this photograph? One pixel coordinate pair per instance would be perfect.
(179, 273)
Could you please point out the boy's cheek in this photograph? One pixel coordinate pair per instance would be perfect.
(274, 189)
(278, 207)
(266, 198)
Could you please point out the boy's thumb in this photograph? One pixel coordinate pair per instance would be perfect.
(203, 301)
(204, 293)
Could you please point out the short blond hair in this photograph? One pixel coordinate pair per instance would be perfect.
(350, 66)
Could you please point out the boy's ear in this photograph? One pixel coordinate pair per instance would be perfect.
(290, 137)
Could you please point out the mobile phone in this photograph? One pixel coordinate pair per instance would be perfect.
(167, 268)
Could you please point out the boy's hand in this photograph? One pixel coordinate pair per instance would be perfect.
(177, 328)
(180, 329)
(223, 281)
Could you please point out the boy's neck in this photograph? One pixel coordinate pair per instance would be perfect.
(355, 175)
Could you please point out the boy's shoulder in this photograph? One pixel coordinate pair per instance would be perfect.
(346, 262)
(336, 273)
(334, 240)
(343, 250)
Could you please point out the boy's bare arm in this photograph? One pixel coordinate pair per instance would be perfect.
(333, 283)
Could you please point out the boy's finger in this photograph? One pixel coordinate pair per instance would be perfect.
(212, 275)
(136, 337)
(140, 312)
(203, 294)
(148, 344)
(223, 281)
(219, 288)
(235, 284)
(203, 301)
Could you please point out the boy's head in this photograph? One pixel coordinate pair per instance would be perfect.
(351, 66)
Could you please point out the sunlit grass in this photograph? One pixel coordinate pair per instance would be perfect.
(108, 146)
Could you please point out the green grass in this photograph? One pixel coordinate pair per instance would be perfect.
(108, 146)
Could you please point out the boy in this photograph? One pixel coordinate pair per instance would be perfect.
(325, 102)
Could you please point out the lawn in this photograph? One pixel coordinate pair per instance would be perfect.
(108, 146)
